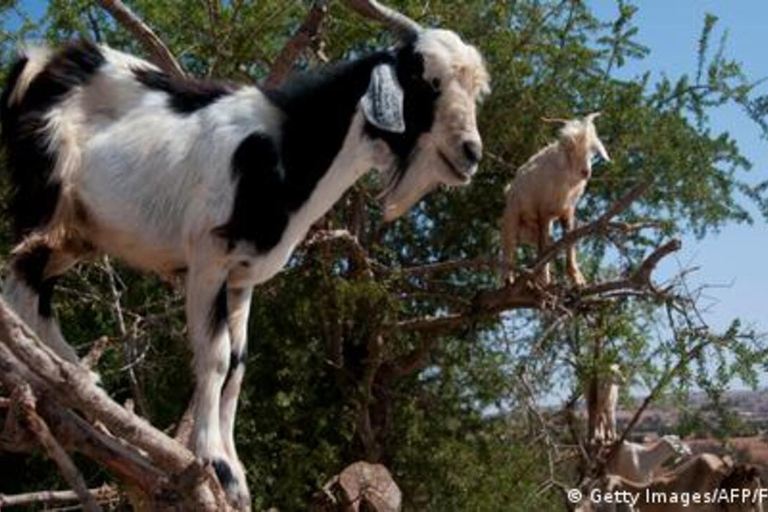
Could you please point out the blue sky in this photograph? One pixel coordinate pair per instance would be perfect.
(736, 259)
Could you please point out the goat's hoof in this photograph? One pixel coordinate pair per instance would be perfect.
(232, 480)
(95, 378)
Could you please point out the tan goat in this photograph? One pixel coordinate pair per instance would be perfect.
(547, 187)
(602, 401)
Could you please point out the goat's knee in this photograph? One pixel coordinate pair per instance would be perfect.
(28, 288)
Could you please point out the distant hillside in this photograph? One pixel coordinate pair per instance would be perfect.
(748, 410)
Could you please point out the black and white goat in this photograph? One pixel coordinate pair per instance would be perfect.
(109, 155)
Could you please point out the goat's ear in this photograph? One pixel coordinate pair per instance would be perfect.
(382, 103)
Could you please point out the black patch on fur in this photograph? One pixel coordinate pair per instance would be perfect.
(185, 95)
(218, 315)
(259, 214)
(31, 267)
(318, 109)
(35, 195)
(45, 299)
(223, 472)
(236, 359)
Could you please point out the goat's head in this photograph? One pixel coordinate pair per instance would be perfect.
(423, 105)
(681, 448)
(578, 137)
(616, 376)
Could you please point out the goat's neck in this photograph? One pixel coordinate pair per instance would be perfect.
(320, 115)
(356, 157)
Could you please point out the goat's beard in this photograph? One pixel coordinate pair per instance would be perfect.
(406, 185)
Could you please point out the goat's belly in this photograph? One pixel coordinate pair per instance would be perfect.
(145, 251)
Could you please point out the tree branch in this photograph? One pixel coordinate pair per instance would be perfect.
(103, 494)
(53, 449)
(303, 38)
(159, 53)
(166, 472)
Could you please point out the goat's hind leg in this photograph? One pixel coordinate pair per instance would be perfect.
(28, 288)
(568, 224)
(544, 241)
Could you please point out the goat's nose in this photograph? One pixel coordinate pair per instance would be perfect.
(473, 152)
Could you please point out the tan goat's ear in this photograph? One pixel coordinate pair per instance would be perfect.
(554, 120)
(590, 118)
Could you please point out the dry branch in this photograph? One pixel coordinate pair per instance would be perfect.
(159, 53)
(303, 38)
(103, 494)
(54, 450)
(167, 473)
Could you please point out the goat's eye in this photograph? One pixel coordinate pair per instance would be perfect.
(436, 84)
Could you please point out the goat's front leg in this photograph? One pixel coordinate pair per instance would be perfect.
(206, 308)
(568, 223)
(545, 239)
(238, 309)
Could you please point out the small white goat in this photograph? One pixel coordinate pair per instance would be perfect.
(602, 401)
(220, 183)
(547, 187)
(640, 463)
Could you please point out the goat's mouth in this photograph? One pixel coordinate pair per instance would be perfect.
(463, 176)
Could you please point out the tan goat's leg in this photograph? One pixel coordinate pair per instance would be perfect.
(572, 265)
(545, 239)
(510, 227)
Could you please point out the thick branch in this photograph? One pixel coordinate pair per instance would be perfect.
(73, 386)
(303, 37)
(159, 53)
(406, 364)
(164, 465)
(55, 451)
(103, 494)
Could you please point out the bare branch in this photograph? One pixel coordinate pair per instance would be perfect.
(159, 53)
(97, 350)
(146, 459)
(54, 450)
(103, 494)
(300, 41)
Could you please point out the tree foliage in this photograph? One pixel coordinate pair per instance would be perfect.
(451, 413)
